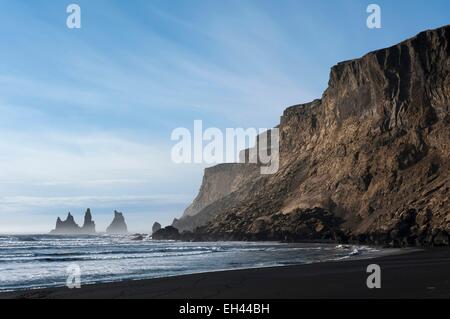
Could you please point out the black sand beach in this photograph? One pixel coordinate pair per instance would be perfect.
(420, 274)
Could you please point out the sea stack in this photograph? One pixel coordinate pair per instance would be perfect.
(118, 225)
(89, 224)
(67, 227)
(156, 227)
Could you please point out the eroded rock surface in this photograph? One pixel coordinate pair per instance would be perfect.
(218, 182)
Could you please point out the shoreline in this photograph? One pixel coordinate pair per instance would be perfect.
(406, 274)
(360, 252)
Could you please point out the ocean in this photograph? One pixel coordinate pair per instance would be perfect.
(38, 261)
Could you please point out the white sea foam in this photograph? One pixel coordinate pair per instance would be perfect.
(41, 260)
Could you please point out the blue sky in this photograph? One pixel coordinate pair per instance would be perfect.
(86, 115)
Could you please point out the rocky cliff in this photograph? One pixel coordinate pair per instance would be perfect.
(368, 162)
(118, 225)
(218, 182)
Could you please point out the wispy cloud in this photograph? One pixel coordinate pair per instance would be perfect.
(18, 203)
(92, 158)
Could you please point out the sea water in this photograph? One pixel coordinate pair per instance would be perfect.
(37, 261)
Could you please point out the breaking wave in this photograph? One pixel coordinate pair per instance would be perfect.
(41, 260)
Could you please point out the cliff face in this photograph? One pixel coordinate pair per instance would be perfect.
(369, 161)
(218, 182)
(156, 226)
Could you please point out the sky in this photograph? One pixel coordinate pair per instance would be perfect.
(87, 114)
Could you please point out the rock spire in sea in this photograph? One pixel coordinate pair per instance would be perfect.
(118, 225)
